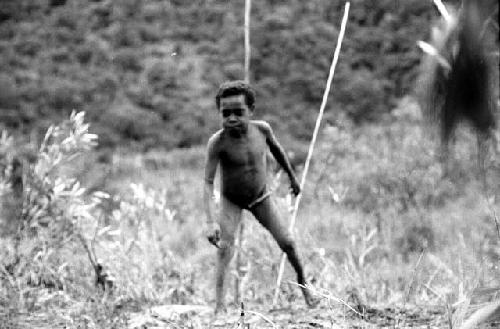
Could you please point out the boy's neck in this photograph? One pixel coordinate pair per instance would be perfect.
(237, 133)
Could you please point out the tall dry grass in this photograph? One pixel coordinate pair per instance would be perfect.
(379, 217)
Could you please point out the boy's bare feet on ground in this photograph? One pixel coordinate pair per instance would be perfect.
(310, 300)
(220, 309)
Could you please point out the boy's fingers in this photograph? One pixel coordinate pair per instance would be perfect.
(213, 240)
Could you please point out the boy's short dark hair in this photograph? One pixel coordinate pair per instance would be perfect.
(233, 88)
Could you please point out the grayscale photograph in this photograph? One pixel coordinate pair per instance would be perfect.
(249, 164)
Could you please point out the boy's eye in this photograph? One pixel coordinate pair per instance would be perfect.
(227, 112)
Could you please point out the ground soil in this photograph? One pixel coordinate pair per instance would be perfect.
(295, 317)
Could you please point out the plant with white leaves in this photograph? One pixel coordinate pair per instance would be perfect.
(55, 208)
(8, 199)
(52, 200)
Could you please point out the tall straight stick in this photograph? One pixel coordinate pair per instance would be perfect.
(248, 8)
(239, 273)
(311, 145)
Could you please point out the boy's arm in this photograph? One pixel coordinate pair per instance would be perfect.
(279, 154)
(211, 163)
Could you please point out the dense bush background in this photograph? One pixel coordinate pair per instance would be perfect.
(380, 213)
(146, 71)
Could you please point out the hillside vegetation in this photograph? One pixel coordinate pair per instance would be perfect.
(380, 227)
(146, 71)
(97, 238)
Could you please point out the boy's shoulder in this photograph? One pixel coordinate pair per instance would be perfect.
(215, 138)
(217, 134)
(262, 125)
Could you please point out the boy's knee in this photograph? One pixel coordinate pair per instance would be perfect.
(225, 247)
(287, 245)
(227, 239)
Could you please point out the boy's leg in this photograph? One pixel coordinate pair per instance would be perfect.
(229, 219)
(267, 214)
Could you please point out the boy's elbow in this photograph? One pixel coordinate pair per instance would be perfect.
(279, 154)
(207, 194)
(208, 189)
(209, 181)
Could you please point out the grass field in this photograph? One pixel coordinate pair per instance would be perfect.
(380, 226)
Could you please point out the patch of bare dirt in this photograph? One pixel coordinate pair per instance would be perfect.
(293, 317)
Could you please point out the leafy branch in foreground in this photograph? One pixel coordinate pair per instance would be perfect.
(51, 197)
(55, 207)
(60, 224)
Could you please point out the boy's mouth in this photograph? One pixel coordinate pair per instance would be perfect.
(233, 125)
(238, 128)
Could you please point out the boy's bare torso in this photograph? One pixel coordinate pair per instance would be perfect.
(243, 164)
(239, 150)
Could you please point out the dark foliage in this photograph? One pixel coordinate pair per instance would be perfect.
(167, 59)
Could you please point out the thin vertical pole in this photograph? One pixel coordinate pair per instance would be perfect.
(248, 8)
(239, 272)
(311, 145)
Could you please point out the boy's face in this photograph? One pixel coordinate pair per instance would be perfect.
(235, 113)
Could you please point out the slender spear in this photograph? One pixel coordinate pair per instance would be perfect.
(313, 142)
(248, 8)
(239, 272)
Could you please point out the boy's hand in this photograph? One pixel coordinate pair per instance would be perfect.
(295, 187)
(213, 233)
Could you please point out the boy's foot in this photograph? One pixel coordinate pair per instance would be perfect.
(220, 309)
(310, 300)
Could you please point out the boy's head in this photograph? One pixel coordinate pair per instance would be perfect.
(235, 103)
(234, 88)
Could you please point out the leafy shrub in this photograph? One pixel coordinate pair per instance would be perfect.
(292, 45)
(141, 95)
(53, 208)
(8, 92)
(57, 3)
(61, 55)
(125, 35)
(59, 217)
(128, 60)
(29, 47)
(84, 54)
(67, 18)
(150, 33)
(106, 88)
(415, 239)
(10, 176)
(63, 95)
(132, 122)
(30, 92)
(15, 10)
(167, 76)
(362, 98)
(101, 13)
(51, 198)
(234, 71)
(65, 36)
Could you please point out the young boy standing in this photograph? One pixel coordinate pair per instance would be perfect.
(239, 148)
